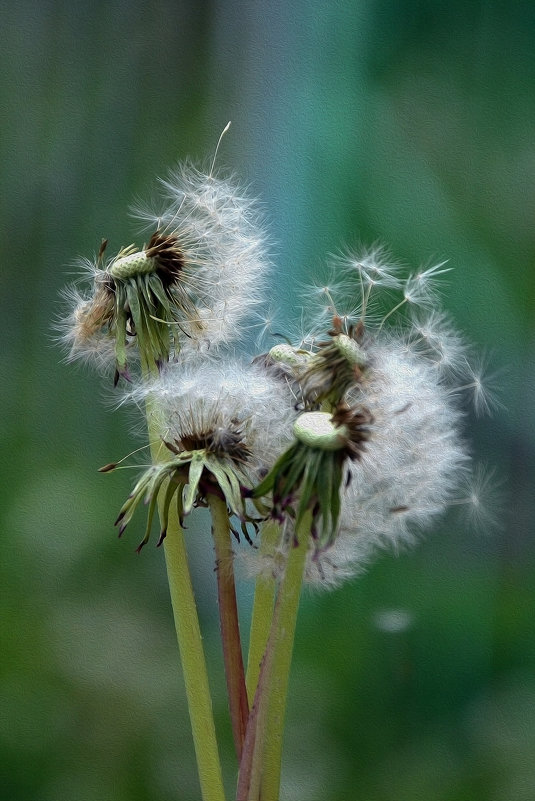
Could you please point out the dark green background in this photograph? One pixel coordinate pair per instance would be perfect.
(411, 123)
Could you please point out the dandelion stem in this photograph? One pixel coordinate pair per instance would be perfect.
(284, 623)
(193, 662)
(262, 614)
(228, 617)
(260, 768)
(189, 638)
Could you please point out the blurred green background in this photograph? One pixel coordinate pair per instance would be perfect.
(411, 123)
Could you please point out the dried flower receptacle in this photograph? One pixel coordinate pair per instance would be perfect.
(198, 278)
(308, 476)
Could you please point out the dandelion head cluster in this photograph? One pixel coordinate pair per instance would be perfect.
(221, 403)
(191, 286)
(358, 421)
(219, 427)
(392, 356)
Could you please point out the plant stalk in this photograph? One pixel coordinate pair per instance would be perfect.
(260, 768)
(262, 614)
(228, 617)
(189, 638)
(193, 662)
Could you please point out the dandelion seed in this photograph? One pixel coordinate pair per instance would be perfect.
(480, 498)
(481, 385)
(421, 287)
(435, 337)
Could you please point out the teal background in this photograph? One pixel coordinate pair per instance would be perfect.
(410, 123)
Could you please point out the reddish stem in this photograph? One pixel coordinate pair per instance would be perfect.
(228, 617)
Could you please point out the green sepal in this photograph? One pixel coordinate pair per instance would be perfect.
(324, 492)
(268, 482)
(228, 485)
(129, 506)
(308, 483)
(164, 515)
(120, 336)
(150, 516)
(290, 482)
(196, 467)
(338, 474)
(158, 291)
(180, 505)
(145, 284)
(133, 303)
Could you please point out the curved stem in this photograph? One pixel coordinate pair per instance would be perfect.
(284, 623)
(228, 616)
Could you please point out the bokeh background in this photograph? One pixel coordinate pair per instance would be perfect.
(411, 123)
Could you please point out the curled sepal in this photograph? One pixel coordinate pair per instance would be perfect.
(196, 467)
(147, 489)
(190, 476)
(141, 301)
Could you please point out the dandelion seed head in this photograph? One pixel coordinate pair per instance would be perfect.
(409, 374)
(415, 454)
(221, 398)
(194, 284)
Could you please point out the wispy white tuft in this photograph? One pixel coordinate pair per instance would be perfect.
(223, 398)
(481, 385)
(481, 498)
(220, 231)
(77, 332)
(415, 457)
(434, 336)
(417, 372)
(221, 266)
(421, 288)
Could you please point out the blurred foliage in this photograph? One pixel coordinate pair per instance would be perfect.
(410, 123)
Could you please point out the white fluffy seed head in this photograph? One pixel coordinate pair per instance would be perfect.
(77, 333)
(415, 456)
(409, 473)
(222, 397)
(223, 268)
(220, 232)
(416, 370)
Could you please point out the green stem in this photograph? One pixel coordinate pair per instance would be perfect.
(262, 614)
(193, 662)
(228, 616)
(251, 763)
(284, 622)
(261, 764)
(189, 641)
